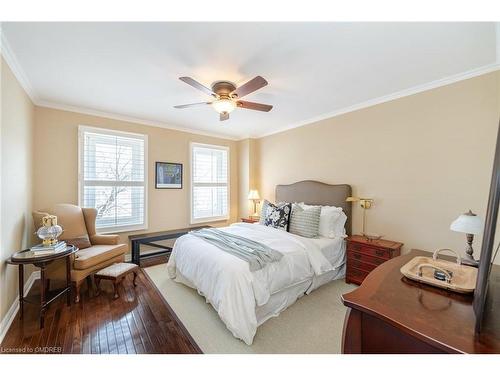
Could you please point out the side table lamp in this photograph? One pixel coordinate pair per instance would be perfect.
(365, 203)
(49, 231)
(254, 196)
(470, 224)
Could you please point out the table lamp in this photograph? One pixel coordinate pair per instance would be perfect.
(365, 204)
(49, 231)
(470, 224)
(253, 196)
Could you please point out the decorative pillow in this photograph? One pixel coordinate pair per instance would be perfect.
(305, 222)
(81, 242)
(277, 216)
(262, 219)
(334, 220)
(331, 222)
(265, 205)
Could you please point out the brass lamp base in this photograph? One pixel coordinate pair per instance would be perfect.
(255, 213)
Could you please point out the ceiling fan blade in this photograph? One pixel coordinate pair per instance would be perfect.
(254, 106)
(198, 85)
(224, 116)
(191, 105)
(249, 87)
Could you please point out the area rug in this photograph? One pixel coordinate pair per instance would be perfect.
(312, 325)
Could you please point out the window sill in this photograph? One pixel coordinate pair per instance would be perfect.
(209, 219)
(115, 230)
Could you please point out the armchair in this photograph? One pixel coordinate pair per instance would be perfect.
(96, 251)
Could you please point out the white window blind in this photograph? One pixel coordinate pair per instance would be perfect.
(209, 183)
(113, 178)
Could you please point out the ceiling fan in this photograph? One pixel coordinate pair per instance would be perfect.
(227, 96)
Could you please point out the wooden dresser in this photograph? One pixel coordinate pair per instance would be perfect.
(364, 255)
(389, 313)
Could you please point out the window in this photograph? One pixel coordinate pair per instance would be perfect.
(112, 177)
(209, 183)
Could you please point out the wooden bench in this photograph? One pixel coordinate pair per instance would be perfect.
(116, 273)
(152, 239)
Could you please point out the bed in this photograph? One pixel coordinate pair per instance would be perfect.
(243, 299)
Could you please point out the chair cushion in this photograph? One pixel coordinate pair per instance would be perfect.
(96, 254)
(116, 270)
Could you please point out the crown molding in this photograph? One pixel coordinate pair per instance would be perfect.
(387, 98)
(15, 67)
(125, 118)
(17, 70)
(20, 75)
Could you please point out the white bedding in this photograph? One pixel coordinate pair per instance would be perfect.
(235, 292)
(332, 248)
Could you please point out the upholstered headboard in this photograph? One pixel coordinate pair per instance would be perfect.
(317, 193)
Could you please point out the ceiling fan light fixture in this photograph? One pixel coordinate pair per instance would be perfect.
(224, 105)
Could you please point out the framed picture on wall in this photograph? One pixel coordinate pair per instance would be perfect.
(168, 175)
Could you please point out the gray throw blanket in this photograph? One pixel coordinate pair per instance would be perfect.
(256, 254)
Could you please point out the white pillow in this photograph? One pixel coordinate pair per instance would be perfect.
(331, 221)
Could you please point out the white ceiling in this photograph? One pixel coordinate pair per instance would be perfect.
(313, 69)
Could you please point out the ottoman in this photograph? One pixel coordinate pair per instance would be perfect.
(116, 273)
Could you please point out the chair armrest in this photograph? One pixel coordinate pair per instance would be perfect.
(104, 239)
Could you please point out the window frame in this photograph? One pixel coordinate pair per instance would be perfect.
(118, 228)
(226, 217)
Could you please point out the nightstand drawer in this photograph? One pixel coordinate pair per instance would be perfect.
(362, 266)
(355, 275)
(365, 258)
(364, 255)
(368, 250)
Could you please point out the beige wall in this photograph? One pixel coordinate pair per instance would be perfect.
(243, 178)
(17, 120)
(425, 159)
(56, 165)
(247, 172)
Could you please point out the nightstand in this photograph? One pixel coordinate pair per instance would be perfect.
(365, 255)
(250, 220)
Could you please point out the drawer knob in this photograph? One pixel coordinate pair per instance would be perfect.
(380, 252)
(357, 256)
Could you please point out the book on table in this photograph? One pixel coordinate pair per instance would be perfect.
(41, 249)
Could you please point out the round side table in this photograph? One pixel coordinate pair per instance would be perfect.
(42, 261)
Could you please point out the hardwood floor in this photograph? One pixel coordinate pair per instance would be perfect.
(139, 321)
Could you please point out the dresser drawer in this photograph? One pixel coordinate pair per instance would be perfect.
(368, 267)
(365, 258)
(355, 275)
(368, 250)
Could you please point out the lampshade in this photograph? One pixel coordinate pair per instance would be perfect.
(363, 202)
(467, 223)
(224, 105)
(253, 195)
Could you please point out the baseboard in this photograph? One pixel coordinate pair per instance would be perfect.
(11, 313)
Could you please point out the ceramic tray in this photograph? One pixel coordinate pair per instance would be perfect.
(459, 278)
